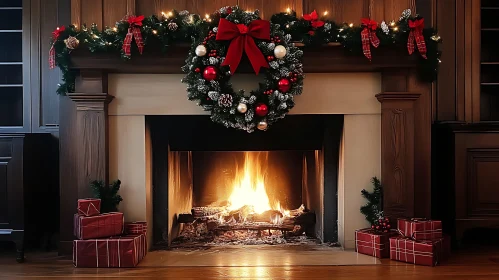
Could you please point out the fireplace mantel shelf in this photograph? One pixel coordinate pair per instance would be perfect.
(324, 59)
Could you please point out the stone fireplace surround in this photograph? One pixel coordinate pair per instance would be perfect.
(109, 139)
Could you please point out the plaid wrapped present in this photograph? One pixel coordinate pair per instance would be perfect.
(420, 229)
(372, 243)
(103, 225)
(136, 228)
(429, 253)
(89, 207)
(123, 251)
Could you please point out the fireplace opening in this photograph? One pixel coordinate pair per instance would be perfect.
(217, 186)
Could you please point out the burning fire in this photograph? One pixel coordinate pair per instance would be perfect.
(249, 186)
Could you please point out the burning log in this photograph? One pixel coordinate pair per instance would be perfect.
(242, 213)
(185, 218)
(201, 212)
(267, 216)
(256, 226)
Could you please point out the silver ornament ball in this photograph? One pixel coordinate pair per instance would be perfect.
(262, 125)
(242, 108)
(280, 51)
(201, 50)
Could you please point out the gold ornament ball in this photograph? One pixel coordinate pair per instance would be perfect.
(72, 43)
(280, 51)
(200, 50)
(262, 125)
(242, 108)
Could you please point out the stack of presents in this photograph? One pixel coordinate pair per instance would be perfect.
(416, 241)
(105, 240)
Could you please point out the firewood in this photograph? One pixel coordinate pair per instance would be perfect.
(185, 218)
(267, 216)
(199, 212)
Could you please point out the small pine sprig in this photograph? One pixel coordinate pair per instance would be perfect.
(107, 194)
(373, 208)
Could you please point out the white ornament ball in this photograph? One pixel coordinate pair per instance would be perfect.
(242, 108)
(201, 50)
(262, 125)
(280, 51)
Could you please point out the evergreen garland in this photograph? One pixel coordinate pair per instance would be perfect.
(107, 194)
(159, 32)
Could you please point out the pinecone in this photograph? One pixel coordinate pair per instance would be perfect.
(183, 13)
(384, 27)
(172, 26)
(405, 14)
(225, 100)
(327, 26)
(72, 43)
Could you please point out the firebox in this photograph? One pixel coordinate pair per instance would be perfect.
(219, 186)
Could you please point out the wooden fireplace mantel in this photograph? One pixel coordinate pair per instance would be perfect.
(406, 121)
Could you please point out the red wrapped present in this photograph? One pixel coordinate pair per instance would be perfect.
(123, 251)
(420, 229)
(103, 225)
(430, 252)
(136, 228)
(372, 243)
(89, 207)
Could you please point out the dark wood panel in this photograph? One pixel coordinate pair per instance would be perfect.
(76, 12)
(390, 9)
(207, 7)
(5, 157)
(268, 8)
(483, 182)
(91, 12)
(339, 10)
(113, 11)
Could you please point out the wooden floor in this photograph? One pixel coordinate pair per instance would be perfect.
(471, 265)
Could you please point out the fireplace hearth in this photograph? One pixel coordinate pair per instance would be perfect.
(213, 186)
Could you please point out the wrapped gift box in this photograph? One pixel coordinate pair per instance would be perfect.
(123, 251)
(372, 243)
(420, 229)
(136, 228)
(429, 252)
(89, 207)
(103, 225)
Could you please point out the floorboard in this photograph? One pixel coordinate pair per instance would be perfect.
(479, 265)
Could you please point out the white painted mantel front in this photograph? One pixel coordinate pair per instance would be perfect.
(350, 94)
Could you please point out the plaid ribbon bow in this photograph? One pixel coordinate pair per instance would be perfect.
(133, 32)
(416, 34)
(368, 36)
(55, 36)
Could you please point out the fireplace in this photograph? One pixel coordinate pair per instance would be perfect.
(215, 186)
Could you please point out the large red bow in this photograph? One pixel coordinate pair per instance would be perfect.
(368, 36)
(242, 37)
(314, 19)
(416, 34)
(133, 32)
(55, 36)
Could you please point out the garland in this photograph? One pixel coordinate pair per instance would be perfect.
(181, 26)
(215, 56)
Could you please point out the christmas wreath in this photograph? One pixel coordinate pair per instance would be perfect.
(215, 55)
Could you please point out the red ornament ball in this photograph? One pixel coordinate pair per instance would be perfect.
(210, 73)
(261, 109)
(388, 226)
(284, 85)
(197, 70)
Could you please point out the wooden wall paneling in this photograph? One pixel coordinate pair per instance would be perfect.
(76, 12)
(68, 175)
(340, 10)
(131, 7)
(147, 7)
(113, 11)
(475, 44)
(268, 8)
(91, 12)
(203, 7)
(390, 9)
(422, 145)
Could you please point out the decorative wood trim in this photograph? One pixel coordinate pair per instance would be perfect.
(475, 45)
(92, 129)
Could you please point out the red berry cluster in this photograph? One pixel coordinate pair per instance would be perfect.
(293, 77)
(213, 53)
(382, 225)
(197, 70)
(270, 58)
(275, 39)
(210, 36)
(268, 92)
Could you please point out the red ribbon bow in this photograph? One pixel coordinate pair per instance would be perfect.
(133, 33)
(416, 34)
(314, 19)
(368, 36)
(242, 37)
(55, 36)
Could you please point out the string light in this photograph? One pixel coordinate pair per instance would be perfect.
(170, 14)
(325, 13)
(155, 32)
(95, 36)
(392, 23)
(163, 14)
(75, 25)
(287, 25)
(115, 29)
(395, 29)
(351, 25)
(341, 29)
(288, 10)
(207, 16)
